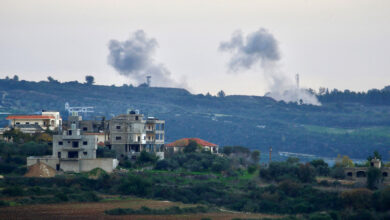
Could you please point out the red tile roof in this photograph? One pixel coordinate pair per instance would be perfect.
(185, 141)
(10, 117)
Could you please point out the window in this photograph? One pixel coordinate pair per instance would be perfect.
(136, 118)
(85, 129)
(59, 154)
(118, 138)
(70, 132)
(73, 154)
(75, 144)
(118, 127)
(18, 123)
(27, 123)
(36, 123)
(85, 142)
(162, 126)
(60, 143)
(85, 153)
(57, 167)
(139, 138)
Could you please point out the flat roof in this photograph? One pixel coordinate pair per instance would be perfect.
(10, 117)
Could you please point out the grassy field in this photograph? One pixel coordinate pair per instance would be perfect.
(95, 210)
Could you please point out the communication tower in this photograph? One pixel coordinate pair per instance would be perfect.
(148, 80)
(297, 80)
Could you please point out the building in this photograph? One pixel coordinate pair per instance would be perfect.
(75, 152)
(178, 146)
(360, 173)
(129, 134)
(30, 123)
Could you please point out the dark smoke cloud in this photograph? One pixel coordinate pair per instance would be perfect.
(134, 58)
(259, 46)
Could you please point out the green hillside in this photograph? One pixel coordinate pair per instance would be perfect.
(340, 126)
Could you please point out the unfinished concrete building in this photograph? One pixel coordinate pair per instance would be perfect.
(129, 134)
(75, 152)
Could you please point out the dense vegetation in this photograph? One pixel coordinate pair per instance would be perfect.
(233, 181)
(347, 123)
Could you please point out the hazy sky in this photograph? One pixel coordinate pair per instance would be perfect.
(334, 43)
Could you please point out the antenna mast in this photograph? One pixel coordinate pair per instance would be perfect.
(297, 80)
(148, 80)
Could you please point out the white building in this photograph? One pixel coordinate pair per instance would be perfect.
(47, 120)
(73, 152)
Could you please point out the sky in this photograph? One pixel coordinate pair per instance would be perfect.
(341, 44)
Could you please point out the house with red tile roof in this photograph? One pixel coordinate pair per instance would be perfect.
(47, 120)
(179, 145)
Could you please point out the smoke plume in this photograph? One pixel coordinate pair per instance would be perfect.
(261, 48)
(134, 58)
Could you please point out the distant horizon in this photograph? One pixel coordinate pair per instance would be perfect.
(135, 86)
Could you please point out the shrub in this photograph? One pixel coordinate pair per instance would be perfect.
(135, 185)
(337, 172)
(252, 169)
(357, 199)
(13, 191)
(61, 196)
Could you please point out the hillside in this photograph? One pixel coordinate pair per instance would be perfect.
(348, 127)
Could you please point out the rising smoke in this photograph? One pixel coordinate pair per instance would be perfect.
(134, 58)
(261, 48)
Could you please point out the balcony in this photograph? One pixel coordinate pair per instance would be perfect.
(72, 149)
(71, 137)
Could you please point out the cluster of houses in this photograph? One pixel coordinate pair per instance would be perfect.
(77, 140)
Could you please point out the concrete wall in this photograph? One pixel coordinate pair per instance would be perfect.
(83, 165)
(51, 162)
(107, 164)
(360, 173)
(70, 166)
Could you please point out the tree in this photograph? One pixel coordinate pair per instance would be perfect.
(255, 156)
(344, 161)
(89, 79)
(337, 172)
(51, 80)
(322, 168)
(16, 78)
(191, 147)
(221, 94)
(374, 177)
(306, 173)
(376, 155)
(146, 157)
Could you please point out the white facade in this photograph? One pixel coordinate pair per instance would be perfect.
(47, 120)
(73, 152)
